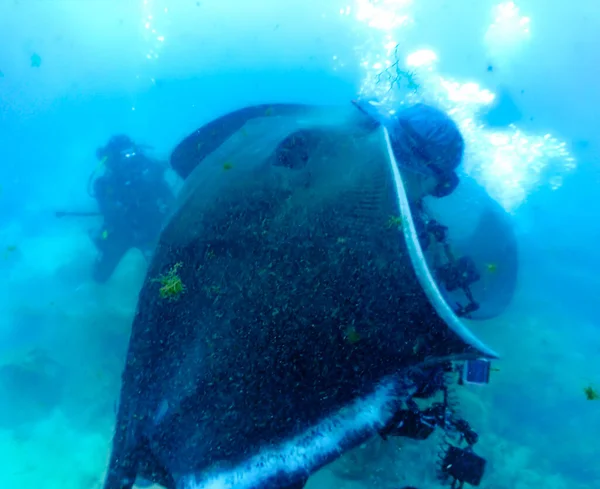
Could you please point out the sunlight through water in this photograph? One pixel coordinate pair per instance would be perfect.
(508, 31)
(153, 21)
(508, 162)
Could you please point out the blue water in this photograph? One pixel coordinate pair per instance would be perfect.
(75, 73)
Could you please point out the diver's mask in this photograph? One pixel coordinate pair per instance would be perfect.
(474, 256)
(118, 148)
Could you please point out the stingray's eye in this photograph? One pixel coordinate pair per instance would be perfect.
(294, 151)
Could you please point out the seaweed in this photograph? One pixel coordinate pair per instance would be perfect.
(395, 75)
(171, 285)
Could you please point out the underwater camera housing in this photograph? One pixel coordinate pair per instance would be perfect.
(458, 275)
(458, 464)
(475, 372)
(463, 466)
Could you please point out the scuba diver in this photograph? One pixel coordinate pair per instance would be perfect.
(133, 198)
(429, 147)
(332, 326)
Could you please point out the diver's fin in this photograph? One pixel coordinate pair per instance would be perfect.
(111, 253)
(151, 470)
(203, 141)
(503, 112)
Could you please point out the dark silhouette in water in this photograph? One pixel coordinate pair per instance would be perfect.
(287, 314)
(134, 200)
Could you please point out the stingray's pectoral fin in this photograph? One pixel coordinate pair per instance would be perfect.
(195, 482)
(188, 154)
(151, 469)
(118, 476)
(141, 468)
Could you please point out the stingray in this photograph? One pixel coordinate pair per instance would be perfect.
(301, 312)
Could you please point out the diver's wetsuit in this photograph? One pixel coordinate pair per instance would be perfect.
(134, 199)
